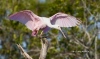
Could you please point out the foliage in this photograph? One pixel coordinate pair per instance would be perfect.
(79, 40)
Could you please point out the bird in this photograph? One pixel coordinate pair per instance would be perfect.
(36, 23)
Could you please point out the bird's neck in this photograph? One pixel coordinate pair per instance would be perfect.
(54, 26)
(48, 23)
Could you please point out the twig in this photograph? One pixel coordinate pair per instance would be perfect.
(85, 7)
(81, 43)
(87, 33)
(95, 47)
(23, 52)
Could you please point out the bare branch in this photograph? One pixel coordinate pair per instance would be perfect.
(81, 43)
(23, 52)
(95, 47)
(44, 48)
(87, 33)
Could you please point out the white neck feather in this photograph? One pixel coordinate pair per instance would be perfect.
(48, 22)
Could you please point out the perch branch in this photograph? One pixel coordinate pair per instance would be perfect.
(43, 52)
(44, 47)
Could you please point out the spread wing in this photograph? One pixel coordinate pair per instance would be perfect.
(64, 20)
(26, 17)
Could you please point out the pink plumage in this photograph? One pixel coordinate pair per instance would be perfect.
(25, 17)
(35, 23)
(64, 20)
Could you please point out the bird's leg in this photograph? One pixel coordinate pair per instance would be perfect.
(34, 32)
(41, 33)
(62, 32)
(37, 30)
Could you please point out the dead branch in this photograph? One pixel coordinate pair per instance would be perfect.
(23, 52)
(43, 52)
(95, 44)
(44, 48)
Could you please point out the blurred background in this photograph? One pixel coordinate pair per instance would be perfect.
(83, 42)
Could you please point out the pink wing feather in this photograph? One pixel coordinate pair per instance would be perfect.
(26, 17)
(64, 20)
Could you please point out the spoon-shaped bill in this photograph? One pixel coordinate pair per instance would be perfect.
(62, 32)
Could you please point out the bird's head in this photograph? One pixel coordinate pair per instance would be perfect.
(57, 27)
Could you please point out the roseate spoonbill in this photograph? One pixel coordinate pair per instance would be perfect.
(35, 23)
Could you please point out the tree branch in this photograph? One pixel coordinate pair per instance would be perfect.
(23, 52)
(43, 52)
(95, 44)
(44, 48)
